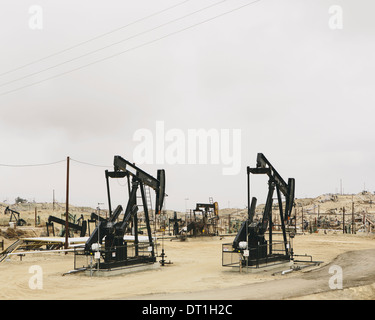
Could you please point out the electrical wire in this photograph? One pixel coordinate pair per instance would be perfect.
(90, 164)
(52, 163)
(101, 166)
(112, 44)
(95, 38)
(31, 165)
(131, 49)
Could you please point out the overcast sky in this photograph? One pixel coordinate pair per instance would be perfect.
(296, 78)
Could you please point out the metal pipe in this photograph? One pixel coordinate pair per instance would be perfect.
(108, 193)
(248, 193)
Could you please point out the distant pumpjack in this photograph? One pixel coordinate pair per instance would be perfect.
(14, 215)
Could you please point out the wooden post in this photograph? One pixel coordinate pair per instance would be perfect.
(67, 205)
(364, 220)
(36, 210)
(352, 217)
(318, 210)
(228, 223)
(343, 220)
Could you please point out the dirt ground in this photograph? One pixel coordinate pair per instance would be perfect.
(196, 272)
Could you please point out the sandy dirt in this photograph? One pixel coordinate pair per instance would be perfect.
(196, 272)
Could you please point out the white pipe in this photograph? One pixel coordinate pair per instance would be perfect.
(286, 271)
(43, 251)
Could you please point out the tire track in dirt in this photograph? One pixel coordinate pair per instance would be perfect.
(358, 269)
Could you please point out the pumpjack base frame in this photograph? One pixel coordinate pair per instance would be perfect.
(114, 271)
(126, 263)
(266, 261)
(274, 267)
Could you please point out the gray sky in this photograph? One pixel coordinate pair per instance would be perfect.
(299, 90)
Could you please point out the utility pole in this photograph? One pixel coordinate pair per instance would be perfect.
(341, 186)
(228, 223)
(352, 217)
(318, 210)
(186, 199)
(67, 204)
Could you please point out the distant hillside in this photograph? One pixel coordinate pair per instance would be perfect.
(364, 202)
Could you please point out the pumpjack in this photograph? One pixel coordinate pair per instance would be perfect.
(14, 215)
(176, 224)
(119, 252)
(251, 236)
(205, 217)
(80, 226)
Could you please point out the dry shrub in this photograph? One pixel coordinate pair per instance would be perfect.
(11, 233)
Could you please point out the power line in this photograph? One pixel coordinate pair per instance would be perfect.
(52, 163)
(133, 48)
(30, 165)
(95, 38)
(90, 164)
(112, 44)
